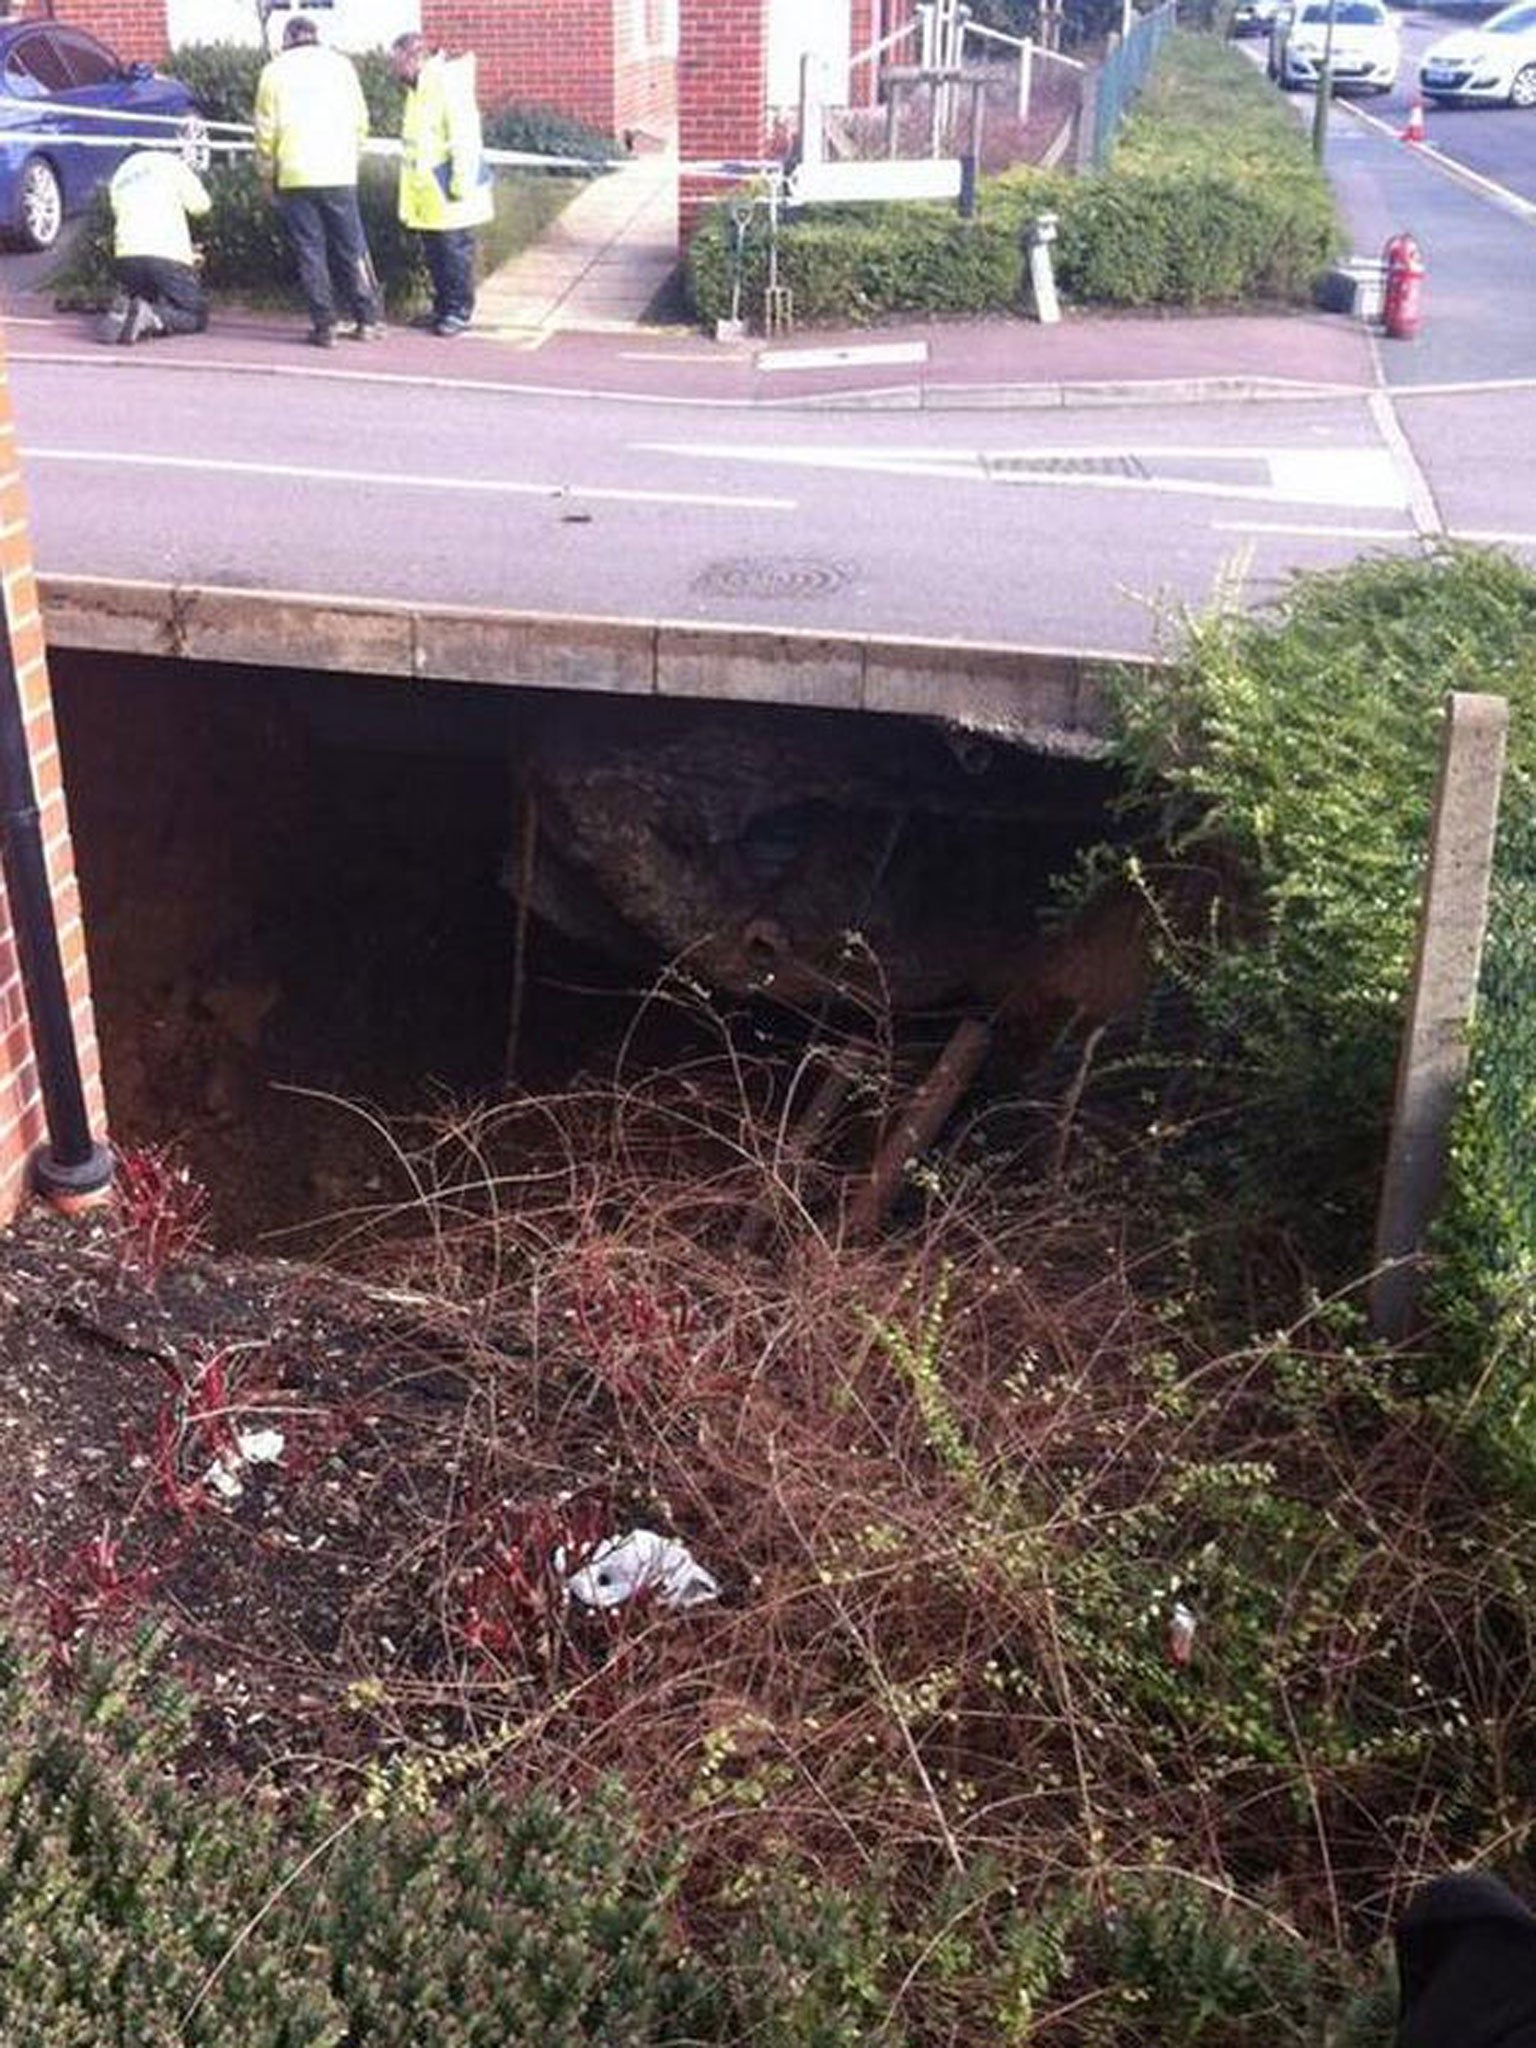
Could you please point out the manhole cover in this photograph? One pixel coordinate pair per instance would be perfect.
(1065, 465)
(781, 576)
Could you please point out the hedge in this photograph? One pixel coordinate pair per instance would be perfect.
(1212, 198)
(244, 252)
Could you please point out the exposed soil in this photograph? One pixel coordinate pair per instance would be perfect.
(316, 1573)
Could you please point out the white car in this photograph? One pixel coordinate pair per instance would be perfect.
(1494, 62)
(1366, 50)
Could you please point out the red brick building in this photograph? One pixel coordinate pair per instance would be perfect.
(613, 63)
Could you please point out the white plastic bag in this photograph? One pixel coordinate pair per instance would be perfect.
(640, 1562)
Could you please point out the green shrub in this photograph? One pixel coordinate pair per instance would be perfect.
(546, 133)
(222, 78)
(1182, 1965)
(133, 1912)
(1298, 756)
(861, 263)
(245, 256)
(1212, 198)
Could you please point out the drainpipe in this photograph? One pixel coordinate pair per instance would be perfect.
(72, 1170)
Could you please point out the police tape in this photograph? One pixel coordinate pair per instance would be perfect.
(237, 138)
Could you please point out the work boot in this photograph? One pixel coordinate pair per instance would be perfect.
(142, 322)
(112, 322)
(321, 335)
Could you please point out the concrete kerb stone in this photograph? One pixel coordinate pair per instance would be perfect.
(1063, 397)
(1045, 698)
(727, 664)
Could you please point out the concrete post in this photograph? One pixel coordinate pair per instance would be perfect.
(1432, 1062)
(812, 97)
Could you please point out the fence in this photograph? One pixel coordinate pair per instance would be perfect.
(1122, 75)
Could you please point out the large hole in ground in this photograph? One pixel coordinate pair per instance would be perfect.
(301, 882)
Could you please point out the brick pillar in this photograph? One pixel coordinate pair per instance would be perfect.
(722, 94)
(558, 53)
(23, 1127)
(864, 30)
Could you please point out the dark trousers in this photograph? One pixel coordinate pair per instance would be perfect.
(325, 232)
(171, 288)
(450, 254)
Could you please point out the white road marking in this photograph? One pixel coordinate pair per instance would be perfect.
(772, 359)
(1296, 529)
(1421, 499)
(1357, 476)
(1430, 153)
(496, 486)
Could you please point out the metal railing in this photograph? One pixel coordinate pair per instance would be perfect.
(1122, 75)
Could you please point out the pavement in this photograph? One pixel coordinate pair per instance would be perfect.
(580, 300)
(573, 315)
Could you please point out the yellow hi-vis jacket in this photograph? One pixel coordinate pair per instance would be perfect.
(311, 118)
(445, 181)
(152, 192)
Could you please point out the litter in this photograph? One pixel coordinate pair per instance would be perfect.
(641, 1562)
(1181, 1633)
(252, 1447)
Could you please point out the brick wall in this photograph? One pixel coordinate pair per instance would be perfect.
(559, 53)
(722, 92)
(22, 1126)
(134, 28)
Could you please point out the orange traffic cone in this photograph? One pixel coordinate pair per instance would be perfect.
(1414, 132)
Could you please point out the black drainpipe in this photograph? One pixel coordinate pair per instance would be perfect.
(72, 1167)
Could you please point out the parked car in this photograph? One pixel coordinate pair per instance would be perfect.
(73, 105)
(1496, 61)
(1254, 17)
(1366, 48)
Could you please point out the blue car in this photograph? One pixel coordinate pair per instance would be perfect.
(75, 109)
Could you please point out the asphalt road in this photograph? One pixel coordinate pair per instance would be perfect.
(1081, 527)
(1069, 529)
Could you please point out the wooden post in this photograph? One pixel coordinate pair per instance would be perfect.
(528, 841)
(920, 1122)
(1432, 1063)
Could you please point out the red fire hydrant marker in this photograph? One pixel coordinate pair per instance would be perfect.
(1402, 311)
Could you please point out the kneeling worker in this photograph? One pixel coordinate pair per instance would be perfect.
(152, 193)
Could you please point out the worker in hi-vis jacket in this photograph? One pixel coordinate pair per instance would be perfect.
(445, 182)
(311, 124)
(159, 291)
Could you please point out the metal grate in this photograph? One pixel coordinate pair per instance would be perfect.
(778, 576)
(1066, 465)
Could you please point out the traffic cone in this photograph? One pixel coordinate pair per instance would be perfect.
(1414, 132)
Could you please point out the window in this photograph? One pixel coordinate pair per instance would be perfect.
(89, 62)
(36, 68)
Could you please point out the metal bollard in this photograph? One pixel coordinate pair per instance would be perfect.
(1042, 278)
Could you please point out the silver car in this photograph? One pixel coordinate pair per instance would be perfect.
(1496, 61)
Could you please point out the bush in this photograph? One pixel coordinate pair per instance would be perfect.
(545, 133)
(222, 77)
(131, 1912)
(1212, 198)
(1301, 753)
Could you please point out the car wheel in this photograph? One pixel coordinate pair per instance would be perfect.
(40, 205)
(1522, 93)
